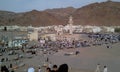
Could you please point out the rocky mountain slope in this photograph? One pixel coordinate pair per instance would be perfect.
(104, 13)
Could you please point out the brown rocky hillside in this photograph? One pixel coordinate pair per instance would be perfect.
(105, 13)
(61, 12)
(34, 18)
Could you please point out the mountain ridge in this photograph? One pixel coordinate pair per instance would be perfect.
(104, 13)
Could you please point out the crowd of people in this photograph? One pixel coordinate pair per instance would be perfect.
(4, 68)
(10, 60)
(54, 68)
(94, 39)
(104, 38)
(98, 68)
(64, 68)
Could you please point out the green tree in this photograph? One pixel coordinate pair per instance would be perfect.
(117, 30)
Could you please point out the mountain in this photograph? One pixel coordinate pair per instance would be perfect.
(61, 12)
(34, 18)
(104, 13)
(5, 16)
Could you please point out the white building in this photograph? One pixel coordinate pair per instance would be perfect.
(110, 29)
(59, 29)
(33, 35)
(96, 29)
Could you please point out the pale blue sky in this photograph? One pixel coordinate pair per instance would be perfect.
(28, 5)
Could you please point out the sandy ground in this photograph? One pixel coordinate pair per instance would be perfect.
(90, 57)
(86, 61)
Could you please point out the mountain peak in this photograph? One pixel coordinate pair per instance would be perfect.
(34, 11)
(104, 13)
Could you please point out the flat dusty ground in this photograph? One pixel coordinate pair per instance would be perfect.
(89, 57)
(86, 61)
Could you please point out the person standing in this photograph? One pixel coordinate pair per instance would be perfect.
(39, 69)
(50, 65)
(47, 60)
(48, 69)
(63, 68)
(98, 68)
(105, 69)
(4, 69)
(55, 68)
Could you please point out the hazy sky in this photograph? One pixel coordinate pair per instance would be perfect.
(28, 5)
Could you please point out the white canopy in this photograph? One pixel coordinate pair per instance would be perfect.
(31, 69)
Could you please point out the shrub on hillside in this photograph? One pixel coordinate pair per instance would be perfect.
(117, 29)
